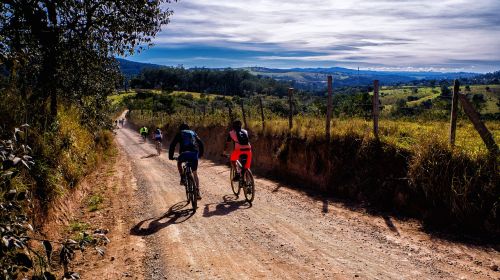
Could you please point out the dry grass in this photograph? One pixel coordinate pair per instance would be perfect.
(403, 134)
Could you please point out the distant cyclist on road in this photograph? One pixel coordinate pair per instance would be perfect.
(241, 146)
(158, 136)
(190, 149)
(144, 132)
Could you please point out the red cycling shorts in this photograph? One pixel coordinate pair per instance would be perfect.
(235, 155)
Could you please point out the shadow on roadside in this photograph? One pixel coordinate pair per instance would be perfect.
(149, 156)
(175, 215)
(390, 224)
(229, 205)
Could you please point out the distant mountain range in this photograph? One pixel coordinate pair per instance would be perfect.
(315, 78)
(130, 68)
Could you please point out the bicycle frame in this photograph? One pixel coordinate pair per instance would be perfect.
(242, 171)
(186, 168)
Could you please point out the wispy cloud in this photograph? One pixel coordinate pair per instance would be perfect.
(456, 34)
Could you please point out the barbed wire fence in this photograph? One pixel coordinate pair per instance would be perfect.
(265, 109)
(375, 114)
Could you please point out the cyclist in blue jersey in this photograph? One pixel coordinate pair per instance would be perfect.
(158, 136)
(190, 149)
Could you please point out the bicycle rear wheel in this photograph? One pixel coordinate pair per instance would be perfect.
(234, 185)
(249, 187)
(158, 147)
(192, 192)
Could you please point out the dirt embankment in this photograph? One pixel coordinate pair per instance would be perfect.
(107, 199)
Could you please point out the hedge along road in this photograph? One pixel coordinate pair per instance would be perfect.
(285, 234)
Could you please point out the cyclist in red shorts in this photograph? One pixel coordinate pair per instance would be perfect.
(241, 146)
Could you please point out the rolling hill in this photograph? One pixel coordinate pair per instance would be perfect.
(315, 78)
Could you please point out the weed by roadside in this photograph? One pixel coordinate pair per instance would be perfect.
(77, 226)
(94, 202)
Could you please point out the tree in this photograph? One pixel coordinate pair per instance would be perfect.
(63, 44)
(478, 101)
(445, 91)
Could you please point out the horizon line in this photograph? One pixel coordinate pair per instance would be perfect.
(372, 69)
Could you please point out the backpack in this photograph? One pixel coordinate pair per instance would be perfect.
(188, 140)
(242, 136)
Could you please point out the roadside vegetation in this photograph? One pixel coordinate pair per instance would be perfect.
(57, 67)
(352, 115)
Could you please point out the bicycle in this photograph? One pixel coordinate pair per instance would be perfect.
(158, 146)
(190, 184)
(246, 181)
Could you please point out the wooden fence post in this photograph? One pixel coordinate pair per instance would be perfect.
(290, 110)
(478, 124)
(249, 112)
(375, 102)
(454, 109)
(243, 113)
(329, 107)
(230, 112)
(262, 113)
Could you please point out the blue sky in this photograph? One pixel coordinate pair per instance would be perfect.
(437, 35)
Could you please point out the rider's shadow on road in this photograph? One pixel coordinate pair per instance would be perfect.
(229, 205)
(149, 156)
(174, 215)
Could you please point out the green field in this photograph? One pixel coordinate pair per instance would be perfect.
(389, 96)
(118, 97)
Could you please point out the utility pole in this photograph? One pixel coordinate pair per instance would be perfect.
(358, 77)
(329, 107)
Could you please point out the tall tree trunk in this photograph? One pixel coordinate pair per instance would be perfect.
(53, 104)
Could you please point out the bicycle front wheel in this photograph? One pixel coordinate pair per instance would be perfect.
(234, 185)
(249, 186)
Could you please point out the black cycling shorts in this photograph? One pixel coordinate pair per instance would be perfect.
(191, 157)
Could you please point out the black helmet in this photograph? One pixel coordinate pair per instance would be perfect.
(237, 124)
(184, 126)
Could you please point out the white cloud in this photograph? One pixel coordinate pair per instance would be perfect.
(397, 33)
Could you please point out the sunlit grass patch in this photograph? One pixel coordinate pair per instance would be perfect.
(401, 133)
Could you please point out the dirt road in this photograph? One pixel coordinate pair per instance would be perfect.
(285, 234)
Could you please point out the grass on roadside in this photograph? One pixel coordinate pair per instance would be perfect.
(77, 226)
(404, 134)
(94, 202)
